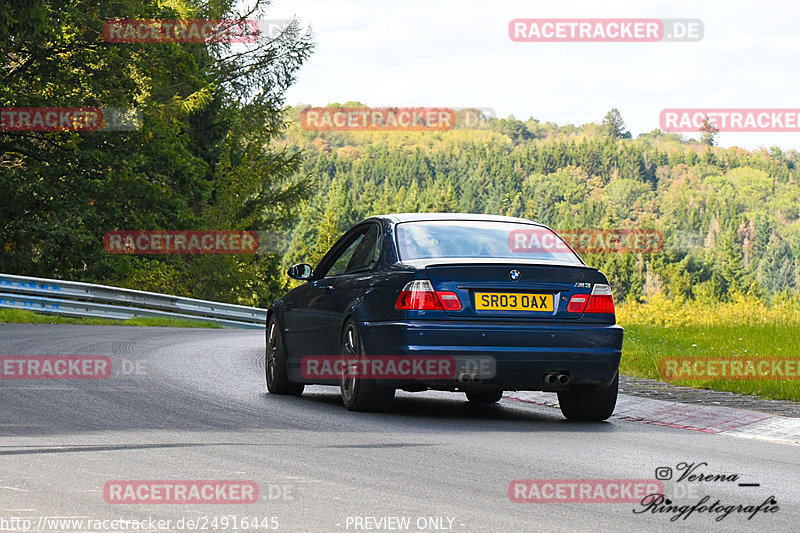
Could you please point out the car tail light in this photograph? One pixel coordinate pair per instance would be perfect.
(600, 300)
(577, 303)
(418, 295)
(449, 300)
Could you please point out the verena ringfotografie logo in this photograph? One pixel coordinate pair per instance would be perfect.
(688, 120)
(55, 367)
(691, 481)
(398, 367)
(180, 242)
(610, 30)
(378, 118)
(181, 31)
(735, 368)
(582, 490)
(181, 492)
(69, 119)
(620, 241)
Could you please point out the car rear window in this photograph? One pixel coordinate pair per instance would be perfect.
(480, 239)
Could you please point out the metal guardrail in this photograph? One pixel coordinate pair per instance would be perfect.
(75, 299)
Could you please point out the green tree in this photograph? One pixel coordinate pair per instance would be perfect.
(729, 265)
(708, 133)
(776, 269)
(202, 157)
(615, 125)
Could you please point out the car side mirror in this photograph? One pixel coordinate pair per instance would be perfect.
(300, 271)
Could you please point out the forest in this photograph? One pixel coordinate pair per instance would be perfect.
(729, 216)
(217, 148)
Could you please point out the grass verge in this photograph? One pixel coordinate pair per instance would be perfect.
(741, 330)
(22, 316)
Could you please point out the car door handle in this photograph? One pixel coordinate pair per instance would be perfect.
(327, 288)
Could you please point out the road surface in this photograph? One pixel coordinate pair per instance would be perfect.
(188, 405)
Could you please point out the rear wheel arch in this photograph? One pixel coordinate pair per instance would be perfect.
(358, 309)
(361, 394)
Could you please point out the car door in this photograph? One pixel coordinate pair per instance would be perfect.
(352, 284)
(310, 321)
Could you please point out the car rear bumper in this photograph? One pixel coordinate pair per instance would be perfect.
(523, 354)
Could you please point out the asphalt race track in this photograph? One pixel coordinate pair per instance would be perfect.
(190, 404)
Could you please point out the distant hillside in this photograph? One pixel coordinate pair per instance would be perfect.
(729, 215)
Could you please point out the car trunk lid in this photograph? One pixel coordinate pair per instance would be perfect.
(513, 291)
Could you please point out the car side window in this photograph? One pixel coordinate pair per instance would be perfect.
(340, 264)
(367, 253)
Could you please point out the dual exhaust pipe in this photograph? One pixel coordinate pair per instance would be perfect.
(556, 378)
(551, 378)
(470, 378)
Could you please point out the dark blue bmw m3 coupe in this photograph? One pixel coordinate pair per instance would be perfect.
(478, 304)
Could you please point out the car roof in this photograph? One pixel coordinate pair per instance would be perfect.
(417, 217)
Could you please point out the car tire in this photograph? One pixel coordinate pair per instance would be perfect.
(588, 404)
(360, 394)
(275, 363)
(485, 397)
